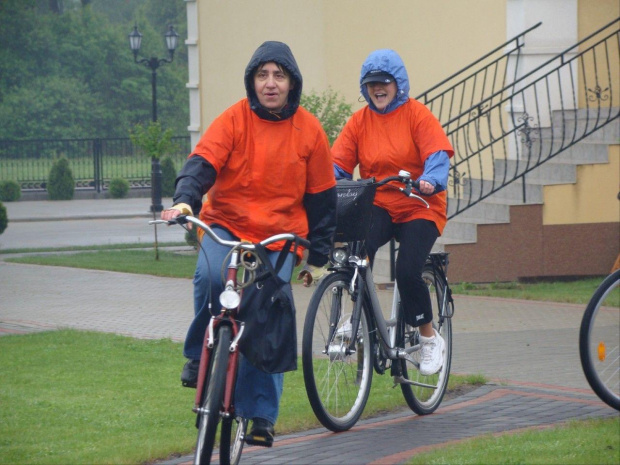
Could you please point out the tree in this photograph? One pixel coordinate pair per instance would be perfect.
(70, 57)
(152, 139)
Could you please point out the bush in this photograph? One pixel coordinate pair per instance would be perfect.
(331, 110)
(119, 188)
(61, 184)
(10, 191)
(4, 219)
(168, 176)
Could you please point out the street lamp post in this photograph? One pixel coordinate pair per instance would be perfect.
(135, 41)
(172, 41)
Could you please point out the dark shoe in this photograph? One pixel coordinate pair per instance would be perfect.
(261, 433)
(189, 376)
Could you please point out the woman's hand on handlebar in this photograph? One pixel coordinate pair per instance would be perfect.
(426, 187)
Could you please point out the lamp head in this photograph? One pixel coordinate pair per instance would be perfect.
(135, 40)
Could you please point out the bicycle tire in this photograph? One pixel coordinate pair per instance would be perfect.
(337, 384)
(209, 416)
(599, 337)
(232, 439)
(425, 400)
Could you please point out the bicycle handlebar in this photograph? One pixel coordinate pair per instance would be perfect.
(405, 178)
(184, 219)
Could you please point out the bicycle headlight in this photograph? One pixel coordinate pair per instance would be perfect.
(340, 256)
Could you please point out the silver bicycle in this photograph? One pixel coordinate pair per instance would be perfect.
(346, 336)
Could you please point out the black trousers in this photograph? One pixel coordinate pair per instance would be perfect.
(416, 240)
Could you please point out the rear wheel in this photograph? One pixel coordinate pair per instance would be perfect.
(424, 393)
(337, 380)
(209, 413)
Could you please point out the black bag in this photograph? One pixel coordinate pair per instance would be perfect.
(269, 340)
(354, 208)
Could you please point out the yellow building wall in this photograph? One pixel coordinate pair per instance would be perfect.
(592, 199)
(593, 15)
(331, 38)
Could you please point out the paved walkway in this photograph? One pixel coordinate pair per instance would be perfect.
(528, 349)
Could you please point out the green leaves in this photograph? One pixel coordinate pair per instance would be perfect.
(152, 139)
(330, 108)
(71, 74)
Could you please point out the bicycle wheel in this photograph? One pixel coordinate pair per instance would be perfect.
(425, 395)
(337, 383)
(599, 338)
(232, 437)
(209, 413)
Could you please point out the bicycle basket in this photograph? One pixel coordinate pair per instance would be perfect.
(354, 208)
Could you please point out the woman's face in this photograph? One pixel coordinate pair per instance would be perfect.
(381, 93)
(272, 84)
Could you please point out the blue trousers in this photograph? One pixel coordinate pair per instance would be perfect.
(257, 393)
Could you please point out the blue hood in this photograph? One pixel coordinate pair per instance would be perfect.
(390, 62)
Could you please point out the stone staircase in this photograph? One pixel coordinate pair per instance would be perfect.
(527, 190)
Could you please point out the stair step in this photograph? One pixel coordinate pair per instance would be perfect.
(545, 174)
(556, 150)
(511, 194)
(608, 128)
(482, 212)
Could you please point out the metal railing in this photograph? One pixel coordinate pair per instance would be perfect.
(93, 162)
(512, 132)
(476, 81)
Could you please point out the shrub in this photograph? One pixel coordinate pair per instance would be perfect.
(119, 188)
(61, 184)
(10, 191)
(191, 237)
(168, 176)
(331, 110)
(4, 219)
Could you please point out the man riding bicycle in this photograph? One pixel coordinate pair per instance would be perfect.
(266, 166)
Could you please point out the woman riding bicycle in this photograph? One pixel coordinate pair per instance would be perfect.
(392, 133)
(266, 165)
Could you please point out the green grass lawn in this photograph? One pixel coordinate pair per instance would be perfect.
(588, 442)
(182, 264)
(77, 397)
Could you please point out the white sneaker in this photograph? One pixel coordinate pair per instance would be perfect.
(431, 354)
(344, 332)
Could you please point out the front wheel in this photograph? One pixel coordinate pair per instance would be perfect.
(599, 340)
(423, 394)
(209, 412)
(337, 380)
(232, 439)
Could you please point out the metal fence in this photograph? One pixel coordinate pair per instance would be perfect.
(93, 162)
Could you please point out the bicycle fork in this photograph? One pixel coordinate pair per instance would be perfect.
(231, 370)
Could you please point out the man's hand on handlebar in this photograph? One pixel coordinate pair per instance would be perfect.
(176, 210)
(310, 273)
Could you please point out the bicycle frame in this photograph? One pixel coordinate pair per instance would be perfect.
(362, 278)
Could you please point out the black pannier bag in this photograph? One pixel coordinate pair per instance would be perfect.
(269, 340)
(354, 208)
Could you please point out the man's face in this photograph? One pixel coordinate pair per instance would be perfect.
(272, 85)
(381, 94)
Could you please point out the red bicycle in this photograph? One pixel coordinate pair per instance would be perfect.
(219, 361)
